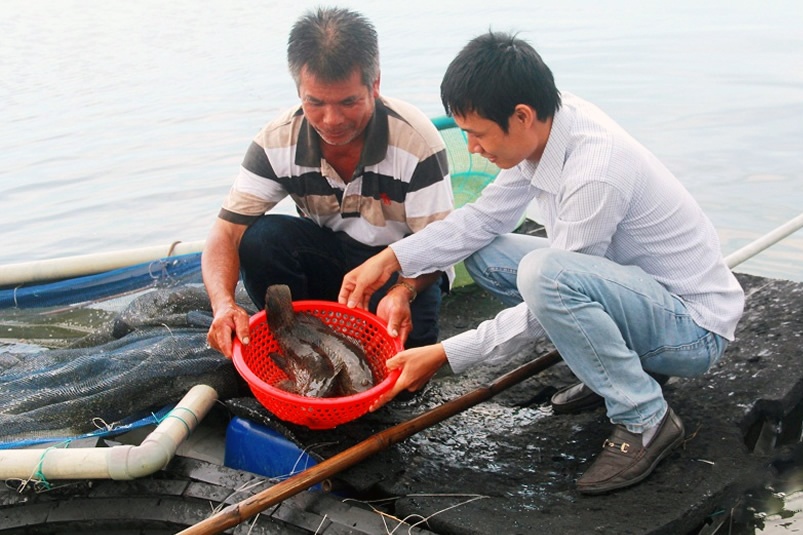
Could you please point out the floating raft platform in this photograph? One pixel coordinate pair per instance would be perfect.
(507, 465)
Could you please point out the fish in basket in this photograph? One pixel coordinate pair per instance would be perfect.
(315, 363)
(318, 360)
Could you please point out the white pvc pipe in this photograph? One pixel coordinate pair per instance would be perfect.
(77, 266)
(771, 238)
(118, 462)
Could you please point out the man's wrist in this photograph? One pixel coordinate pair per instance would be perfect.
(413, 293)
(389, 259)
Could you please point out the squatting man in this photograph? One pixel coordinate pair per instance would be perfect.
(630, 284)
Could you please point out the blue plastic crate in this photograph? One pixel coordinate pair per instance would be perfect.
(258, 449)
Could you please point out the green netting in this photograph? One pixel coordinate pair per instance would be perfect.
(469, 172)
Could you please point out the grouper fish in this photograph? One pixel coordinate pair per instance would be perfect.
(318, 361)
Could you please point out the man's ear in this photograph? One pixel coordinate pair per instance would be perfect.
(375, 86)
(524, 114)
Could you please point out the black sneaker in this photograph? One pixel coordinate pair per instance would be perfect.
(578, 397)
(575, 398)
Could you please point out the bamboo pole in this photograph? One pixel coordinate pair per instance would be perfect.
(242, 511)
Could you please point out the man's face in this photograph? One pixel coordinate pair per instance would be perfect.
(506, 150)
(338, 111)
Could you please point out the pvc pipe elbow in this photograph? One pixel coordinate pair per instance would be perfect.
(132, 462)
(158, 448)
(119, 462)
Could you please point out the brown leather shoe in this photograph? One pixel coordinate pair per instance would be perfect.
(575, 398)
(624, 461)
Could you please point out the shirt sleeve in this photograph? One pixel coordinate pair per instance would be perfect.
(495, 340)
(444, 243)
(255, 190)
(497, 211)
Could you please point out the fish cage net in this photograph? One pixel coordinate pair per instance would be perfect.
(99, 352)
(469, 172)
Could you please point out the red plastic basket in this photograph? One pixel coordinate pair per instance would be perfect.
(254, 364)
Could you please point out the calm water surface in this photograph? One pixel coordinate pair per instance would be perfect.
(123, 124)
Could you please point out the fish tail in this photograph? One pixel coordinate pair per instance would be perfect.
(279, 307)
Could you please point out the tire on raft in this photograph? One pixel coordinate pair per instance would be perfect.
(184, 493)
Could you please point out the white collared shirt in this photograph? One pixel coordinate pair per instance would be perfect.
(599, 192)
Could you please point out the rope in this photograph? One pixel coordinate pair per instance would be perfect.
(37, 476)
(179, 418)
(173, 247)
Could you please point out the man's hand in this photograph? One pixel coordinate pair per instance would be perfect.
(418, 365)
(220, 266)
(229, 321)
(394, 308)
(361, 282)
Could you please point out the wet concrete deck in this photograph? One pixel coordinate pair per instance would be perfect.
(508, 465)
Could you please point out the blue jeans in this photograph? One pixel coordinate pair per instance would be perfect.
(312, 261)
(611, 324)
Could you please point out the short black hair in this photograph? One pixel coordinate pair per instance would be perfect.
(330, 43)
(493, 74)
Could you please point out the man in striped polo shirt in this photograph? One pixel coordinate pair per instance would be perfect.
(363, 170)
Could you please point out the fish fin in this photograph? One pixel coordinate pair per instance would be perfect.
(353, 344)
(283, 364)
(326, 367)
(288, 386)
(342, 385)
(322, 387)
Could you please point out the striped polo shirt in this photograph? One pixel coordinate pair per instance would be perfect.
(401, 183)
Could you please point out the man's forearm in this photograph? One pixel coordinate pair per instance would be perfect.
(220, 275)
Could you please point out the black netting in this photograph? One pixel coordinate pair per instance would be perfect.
(114, 366)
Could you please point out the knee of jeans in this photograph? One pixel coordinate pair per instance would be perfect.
(487, 263)
(537, 273)
(474, 265)
(266, 240)
(263, 232)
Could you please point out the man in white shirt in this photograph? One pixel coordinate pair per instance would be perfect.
(630, 281)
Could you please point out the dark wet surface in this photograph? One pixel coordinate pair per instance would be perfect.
(508, 465)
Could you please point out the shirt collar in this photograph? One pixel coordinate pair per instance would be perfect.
(308, 150)
(547, 172)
